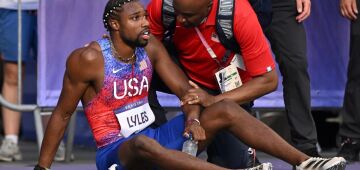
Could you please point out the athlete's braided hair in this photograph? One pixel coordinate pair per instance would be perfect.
(112, 10)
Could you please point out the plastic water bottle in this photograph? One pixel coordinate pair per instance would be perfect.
(190, 146)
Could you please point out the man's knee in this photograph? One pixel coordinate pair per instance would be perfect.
(145, 147)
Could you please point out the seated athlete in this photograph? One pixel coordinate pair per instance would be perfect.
(111, 78)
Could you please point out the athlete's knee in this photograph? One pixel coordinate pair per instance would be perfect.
(227, 109)
(231, 109)
(145, 147)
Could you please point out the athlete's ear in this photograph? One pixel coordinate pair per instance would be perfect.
(114, 25)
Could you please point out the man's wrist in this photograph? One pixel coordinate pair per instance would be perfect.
(38, 167)
(215, 99)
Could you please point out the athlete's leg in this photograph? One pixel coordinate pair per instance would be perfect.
(227, 115)
(142, 152)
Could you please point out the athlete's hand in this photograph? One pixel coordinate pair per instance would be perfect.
(348, 9)
(197, 95)
(194, 128)
(303, 8)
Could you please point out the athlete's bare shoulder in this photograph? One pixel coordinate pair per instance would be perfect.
(86, 54)
(85, 61)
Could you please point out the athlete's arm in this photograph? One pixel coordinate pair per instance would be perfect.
(175, 79)
(76, 79)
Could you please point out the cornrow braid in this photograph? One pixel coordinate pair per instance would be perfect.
(112, 9)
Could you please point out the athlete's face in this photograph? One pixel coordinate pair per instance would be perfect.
(192, 13)
(134, 26)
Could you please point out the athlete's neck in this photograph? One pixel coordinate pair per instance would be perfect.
(122, 51)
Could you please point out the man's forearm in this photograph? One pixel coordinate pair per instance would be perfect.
(251, 90)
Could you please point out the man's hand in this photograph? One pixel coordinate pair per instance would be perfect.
(197, 131)
(197, 95)
(348, 9)
(303, 8)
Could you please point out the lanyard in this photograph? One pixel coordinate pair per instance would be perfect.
(209, 50)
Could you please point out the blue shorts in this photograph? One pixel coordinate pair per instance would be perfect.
(9, 34)
(169, 135)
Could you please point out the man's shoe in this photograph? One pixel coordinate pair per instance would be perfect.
(336, 163)
(9, 151)
(253, 160)
(350, 149)
(263, 166)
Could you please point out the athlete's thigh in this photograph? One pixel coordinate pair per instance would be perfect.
(170, 134)
(130, 159)
(155, 141)
(216, 117)
(118, 155)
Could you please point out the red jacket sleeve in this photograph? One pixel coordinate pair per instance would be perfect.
(154, 9)
(254, 46)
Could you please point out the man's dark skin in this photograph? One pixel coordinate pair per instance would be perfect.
(192, 13)
(83, 79)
